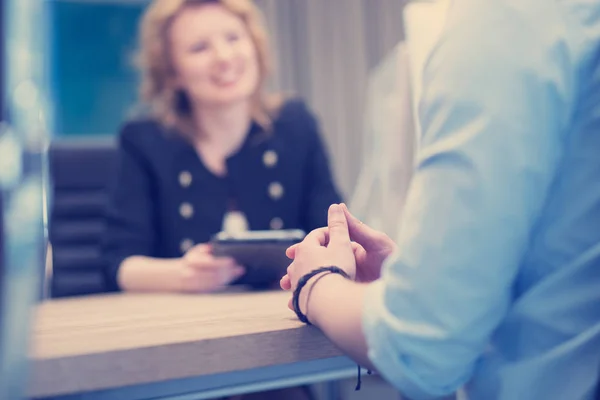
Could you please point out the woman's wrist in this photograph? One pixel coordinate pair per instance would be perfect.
(141, 273)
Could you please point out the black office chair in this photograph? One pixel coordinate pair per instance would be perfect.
(80, 172)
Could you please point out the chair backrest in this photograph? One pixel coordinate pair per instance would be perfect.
(80, 173)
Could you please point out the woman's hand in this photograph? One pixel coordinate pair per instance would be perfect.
(201, 272)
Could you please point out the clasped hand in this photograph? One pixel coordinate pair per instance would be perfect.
(345, 243)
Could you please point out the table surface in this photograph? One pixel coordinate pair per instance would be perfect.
(105, 342)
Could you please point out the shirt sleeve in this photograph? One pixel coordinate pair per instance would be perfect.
(495, 105)
(130, 216)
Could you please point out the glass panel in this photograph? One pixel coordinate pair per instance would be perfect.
(92, 50)
(23, 143)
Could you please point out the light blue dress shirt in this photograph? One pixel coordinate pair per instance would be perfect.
(496, 283)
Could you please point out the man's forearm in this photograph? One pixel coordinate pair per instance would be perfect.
(334, 304)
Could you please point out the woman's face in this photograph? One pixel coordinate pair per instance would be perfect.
(214, 56)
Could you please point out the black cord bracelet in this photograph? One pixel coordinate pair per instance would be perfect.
(296, 300)
(302, 282)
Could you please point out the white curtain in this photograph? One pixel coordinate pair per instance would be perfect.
(390, 138)
(391, 125)
(325, 50)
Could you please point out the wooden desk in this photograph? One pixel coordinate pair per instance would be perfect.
(160, 346)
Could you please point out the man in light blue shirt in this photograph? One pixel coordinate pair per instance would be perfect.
(495, 282)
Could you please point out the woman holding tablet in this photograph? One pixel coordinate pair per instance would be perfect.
(215, 154)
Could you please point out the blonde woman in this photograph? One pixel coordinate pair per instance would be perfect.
(216, 152)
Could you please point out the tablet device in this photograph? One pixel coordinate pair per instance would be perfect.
(261, 252)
